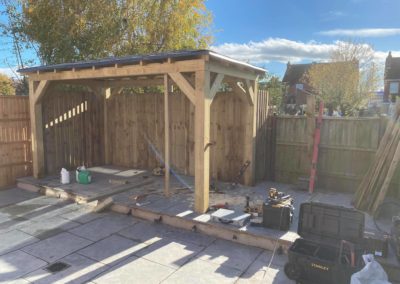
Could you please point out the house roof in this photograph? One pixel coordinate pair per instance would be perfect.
(294, 72)
(136, 59)
(392, 68)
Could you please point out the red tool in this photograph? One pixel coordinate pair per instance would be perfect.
(317, 138)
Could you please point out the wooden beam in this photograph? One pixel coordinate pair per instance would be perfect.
(251, 91)
(202, 138)
(107, 96)
(125, 71)
(184, 86)
(166, 137)
(35, 107)
(216, 85)
(40, 90)
(231, 71)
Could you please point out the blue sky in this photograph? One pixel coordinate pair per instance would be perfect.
(270, 33)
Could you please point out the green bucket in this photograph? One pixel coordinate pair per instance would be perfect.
(84, 177)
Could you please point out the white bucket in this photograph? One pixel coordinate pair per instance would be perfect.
(65, 176)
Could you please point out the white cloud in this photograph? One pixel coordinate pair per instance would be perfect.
(361, 32)
(276, 49)
(10, 72)
(284, 50)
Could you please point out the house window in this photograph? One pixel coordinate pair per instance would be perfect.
(299, 87)
(394, 88)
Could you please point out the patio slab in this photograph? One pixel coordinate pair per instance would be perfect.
(56, 247)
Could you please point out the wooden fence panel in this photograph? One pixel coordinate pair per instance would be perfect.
(347, 148)
(73, 127)
(136, 131)
(15, 139)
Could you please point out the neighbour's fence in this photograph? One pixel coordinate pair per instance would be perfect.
(15, 139)
(346, 150)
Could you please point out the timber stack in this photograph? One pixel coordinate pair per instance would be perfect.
(375, 184)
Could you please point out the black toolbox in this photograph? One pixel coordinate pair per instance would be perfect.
(277, 216)
(330, 248)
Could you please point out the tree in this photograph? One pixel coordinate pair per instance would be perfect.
(6, 85)
(275, 89)
(345, 82)
(71, 30)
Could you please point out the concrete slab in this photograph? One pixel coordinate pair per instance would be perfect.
(16, 264)
(14, 195)
(104, 227)
(272, 275)
(81, 270)
(14, 240)
(135, 270)
(112, 250)
(170, 253)
(203, 272)
(190, 237)
(14, 224)
(267, 268)
(82, 215)
(145, 232)
(230, 254)
(57, 247)
(32, 207)
(43, 229)
(18, 281)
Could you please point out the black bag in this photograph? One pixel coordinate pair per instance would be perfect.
(329, 249)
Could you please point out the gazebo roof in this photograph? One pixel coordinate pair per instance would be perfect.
(142, 59)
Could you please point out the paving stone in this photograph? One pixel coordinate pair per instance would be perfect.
(230, 254)
(81, 270)
(104, 227)
(135, 270)
(272, 275)
(18, 281)
(146, 232)
(14, 240)
(48, 227)
(189, 236)
(14, 195)
(82, 215)
(203, 272)
(16, 264)
(112, 250)
(57, 247)
(55, 210)
(171, 253)
(14, 224)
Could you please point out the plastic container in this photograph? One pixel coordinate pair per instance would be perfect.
(83, 176)
(65, 178)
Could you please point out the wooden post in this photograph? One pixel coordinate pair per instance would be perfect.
(36, 91)
(310, 113)
(166, 137)
(251, 131)
(107, 95)
(202, 138)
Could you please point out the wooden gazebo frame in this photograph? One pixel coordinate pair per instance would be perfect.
(198, 74)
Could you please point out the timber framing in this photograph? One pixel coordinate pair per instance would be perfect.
(199, 74)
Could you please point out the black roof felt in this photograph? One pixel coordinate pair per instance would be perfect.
(132, 59)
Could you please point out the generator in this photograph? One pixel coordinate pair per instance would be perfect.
(277, 210)
(330, 248)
